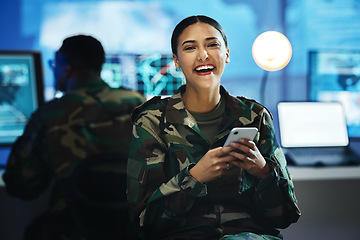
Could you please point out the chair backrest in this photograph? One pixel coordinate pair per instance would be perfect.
(97, 197)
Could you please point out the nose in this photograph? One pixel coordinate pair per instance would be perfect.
(202, 55)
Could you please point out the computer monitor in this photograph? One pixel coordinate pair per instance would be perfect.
(334, 75)
(21, 92)
(150, 74)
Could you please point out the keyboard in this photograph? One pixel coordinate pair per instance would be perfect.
(319, 151)
(321, 156)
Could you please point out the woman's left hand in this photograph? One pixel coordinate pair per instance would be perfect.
(248, 157)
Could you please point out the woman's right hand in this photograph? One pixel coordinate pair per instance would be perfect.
(212, 165)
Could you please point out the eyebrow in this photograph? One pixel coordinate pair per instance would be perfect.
(192, 41)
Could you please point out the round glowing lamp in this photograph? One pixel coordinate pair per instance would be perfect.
(271, 51)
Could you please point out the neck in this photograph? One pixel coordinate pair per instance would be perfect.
(81, 77)
(201, 101)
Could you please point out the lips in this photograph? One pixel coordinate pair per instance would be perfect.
(204, 69)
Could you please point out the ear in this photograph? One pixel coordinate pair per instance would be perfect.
(227, 60)
(176, 61)
(68, 69)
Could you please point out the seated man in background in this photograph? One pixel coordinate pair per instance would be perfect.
(90, 118)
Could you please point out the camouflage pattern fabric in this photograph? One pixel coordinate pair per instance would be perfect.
(249, 236)
(92, 118)
(166, 202)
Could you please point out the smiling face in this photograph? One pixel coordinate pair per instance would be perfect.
(201, 55)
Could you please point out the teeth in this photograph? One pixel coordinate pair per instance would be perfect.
(207, 67)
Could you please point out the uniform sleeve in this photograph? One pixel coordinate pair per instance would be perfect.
(152, 195)
(275, 195)
(26, 175)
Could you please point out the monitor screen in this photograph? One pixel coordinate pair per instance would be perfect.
(334, 75)
(21, 91)
(150, 74)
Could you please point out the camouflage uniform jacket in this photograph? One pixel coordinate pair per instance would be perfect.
(92, 118)
(166, 202)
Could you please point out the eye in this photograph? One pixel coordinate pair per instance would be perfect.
(189, 48)
(216, 44)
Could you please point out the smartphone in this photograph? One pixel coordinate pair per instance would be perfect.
(240, 132)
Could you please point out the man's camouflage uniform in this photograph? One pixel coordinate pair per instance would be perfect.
(91, 118)
(166, 202)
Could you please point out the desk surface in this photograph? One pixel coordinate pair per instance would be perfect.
(324, 173)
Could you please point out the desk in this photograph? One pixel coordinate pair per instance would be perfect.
(324, 173)
(329, 202)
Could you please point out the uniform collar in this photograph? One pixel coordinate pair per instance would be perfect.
(176, 112)
(89, 84)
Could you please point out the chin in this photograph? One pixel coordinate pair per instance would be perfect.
(209, 84)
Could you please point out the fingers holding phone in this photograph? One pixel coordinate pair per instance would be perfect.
(240, 132)
(246, 153)
(212, 165)
(249, 158)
